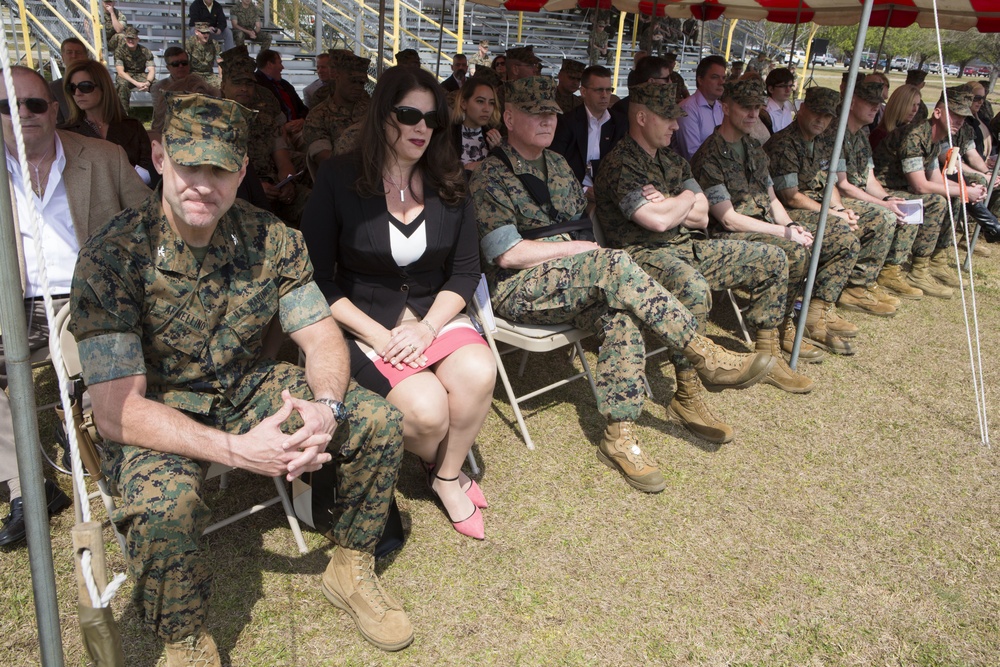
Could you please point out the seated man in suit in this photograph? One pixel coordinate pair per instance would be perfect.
(78, 184)
(459, 68)
(591, 130)
(542, 270)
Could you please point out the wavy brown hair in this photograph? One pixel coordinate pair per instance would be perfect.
(439, 165)
(110, 107)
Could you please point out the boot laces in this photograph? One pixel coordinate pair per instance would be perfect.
(368, 583)
(630, 446)
(193, 651)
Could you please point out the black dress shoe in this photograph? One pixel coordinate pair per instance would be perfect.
(13, 524)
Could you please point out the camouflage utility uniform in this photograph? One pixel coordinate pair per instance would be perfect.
(327, 120)
(248, 16)
(797, 163)
(567, 101)
(907, 149)
(739, 172)
(688, 267)
(134, 62)
(266, 136)
(597, 47)
(115, 39)
(603, 291)
(142, 305)
(203, 57)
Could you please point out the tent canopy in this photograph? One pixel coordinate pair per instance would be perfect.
(952, 14)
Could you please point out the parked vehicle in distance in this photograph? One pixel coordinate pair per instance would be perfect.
(901, 64)
(951, 70)
(933, 68)
(971, 71)
(826, 60)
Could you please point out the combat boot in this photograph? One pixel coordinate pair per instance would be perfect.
(863, 300)
(781, 375)
(836, 324)
(689, 409)
(619, 450)
(980, 249)
(719, 367)
(941, 268)
(892, 278)
(884, 295)
(197, 650)
(350, 583)
(808, 352)
(818, 334)
(920, 277)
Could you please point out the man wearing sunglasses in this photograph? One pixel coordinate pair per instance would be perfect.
(134, 66)
(77, 184)
(180, 80)
(345, 106)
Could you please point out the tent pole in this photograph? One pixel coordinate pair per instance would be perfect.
(878, 54)
(729, 40)
(845, 110)
(380, 58)
(795, 34)
(437, 67)
(29, 458)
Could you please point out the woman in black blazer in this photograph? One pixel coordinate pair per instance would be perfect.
(393, 240)
(474, 120)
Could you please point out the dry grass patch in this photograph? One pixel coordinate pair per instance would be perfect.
(853, 526)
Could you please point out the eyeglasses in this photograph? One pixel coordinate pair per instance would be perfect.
(411, 116)
(179, 63)
(36, 105)
(85, 87)
(783, 85)
(978, 98)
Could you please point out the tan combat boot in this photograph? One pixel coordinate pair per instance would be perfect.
(781, 375)
(884, 295)
(892, 278)
(863, 300)
(198, 650)
(719, 367)
(819, 335)
(941, 268)
(351, 584)
(980, 250)
(808, 352)
(619, 450)
(836, 324)
(689, 409)
(920, 277)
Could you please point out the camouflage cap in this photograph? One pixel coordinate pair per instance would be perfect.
(870, 91)
(660, 98)
(343, 60)
(131, 32)
(201, 130)
(524, 54)
(239, 70)
(746, 92)
(357, 64)
(534, 95)
(407, 56)
(959, 100)
(202, 27)
(236, 53)
(822, 100)
(488, 75)
(573, 66)
(915, 76)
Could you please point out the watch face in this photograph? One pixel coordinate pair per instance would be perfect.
(339, 411)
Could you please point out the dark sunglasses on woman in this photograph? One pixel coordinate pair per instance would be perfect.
(411, 116)
(36, 105)
(85, 87)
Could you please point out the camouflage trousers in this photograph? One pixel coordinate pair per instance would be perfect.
(876, 226)
(836, 260)
(125, 89)
(691, 270)
(604, 291)
(918, 239)
(263, 39)
(162, 511)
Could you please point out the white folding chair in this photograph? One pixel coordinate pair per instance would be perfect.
(71, 361)
(527, 338)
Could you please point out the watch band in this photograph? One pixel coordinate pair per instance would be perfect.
(337, 407)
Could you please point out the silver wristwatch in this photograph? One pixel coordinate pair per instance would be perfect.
(339, 411)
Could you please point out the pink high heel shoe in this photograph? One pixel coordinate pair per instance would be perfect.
(470, 527)
(474, 493)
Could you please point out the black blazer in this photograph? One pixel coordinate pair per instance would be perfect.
(348, 241)
(570, 140)
(451, 84)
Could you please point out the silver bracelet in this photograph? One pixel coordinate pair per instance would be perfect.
(431, 327)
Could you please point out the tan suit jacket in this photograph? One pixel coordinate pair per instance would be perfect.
(100, 183)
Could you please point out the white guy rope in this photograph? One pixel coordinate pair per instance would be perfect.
(34, 222)
(975, 356)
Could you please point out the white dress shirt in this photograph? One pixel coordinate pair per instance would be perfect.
(593, 141)
(781, 114)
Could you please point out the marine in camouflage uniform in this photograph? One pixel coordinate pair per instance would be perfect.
(677, 255)
(134, 62)
(347, 105)
(203, 52)
(248, 15)
(738, 172)
(266, 142)
(569, 82)
(799, 161)
(599, 290)
(191, 322)
(597, 47)
(115, 39)
(481, 59)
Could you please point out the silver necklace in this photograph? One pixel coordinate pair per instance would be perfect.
(402, 191)
(36, 185)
